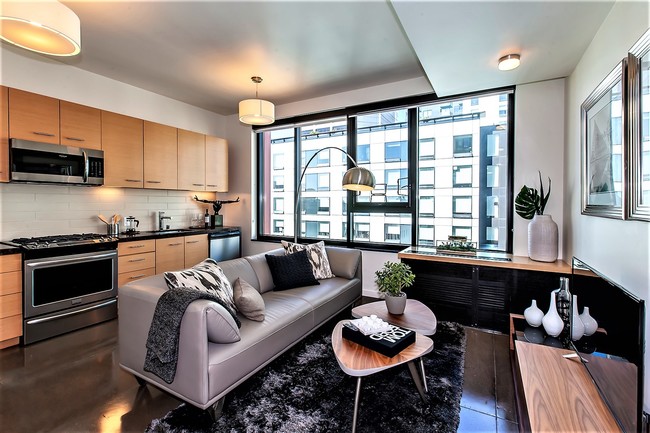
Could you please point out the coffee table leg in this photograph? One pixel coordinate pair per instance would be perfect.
(424, 376)
(416, 378)
(356, 405)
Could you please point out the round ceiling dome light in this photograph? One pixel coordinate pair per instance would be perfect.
(45, 26)
(509, 62)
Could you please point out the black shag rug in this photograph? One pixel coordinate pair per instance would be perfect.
(304, 390)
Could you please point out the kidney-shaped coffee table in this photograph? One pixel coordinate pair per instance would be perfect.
(358, 361)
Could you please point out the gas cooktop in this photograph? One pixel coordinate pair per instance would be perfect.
(62, 241)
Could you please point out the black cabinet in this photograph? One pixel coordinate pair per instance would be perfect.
(478, 295)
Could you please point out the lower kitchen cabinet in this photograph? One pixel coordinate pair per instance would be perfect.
(196, 249)
(136, 259)
(170, 254)
(11, 300)
(479, 295)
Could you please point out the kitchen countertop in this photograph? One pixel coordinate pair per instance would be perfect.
(144, 235)
(8, 249)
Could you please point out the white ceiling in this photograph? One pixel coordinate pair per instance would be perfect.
(204, 52)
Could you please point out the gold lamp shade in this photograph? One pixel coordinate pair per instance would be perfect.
(46, 27)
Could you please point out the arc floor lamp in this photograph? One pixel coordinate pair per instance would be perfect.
(355, 179)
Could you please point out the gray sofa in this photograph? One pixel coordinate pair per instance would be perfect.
(209, 368)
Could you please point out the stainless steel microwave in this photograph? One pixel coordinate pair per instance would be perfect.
(52, 163)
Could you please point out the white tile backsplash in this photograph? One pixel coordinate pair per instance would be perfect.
(40, 210)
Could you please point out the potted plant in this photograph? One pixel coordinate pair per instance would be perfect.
(542, 230)
(390, 280)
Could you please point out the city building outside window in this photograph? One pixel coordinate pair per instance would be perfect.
(278, 205)
(278, 182)
(463, 145)
(462, 175)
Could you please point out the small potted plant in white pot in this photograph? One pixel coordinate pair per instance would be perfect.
(390, 280)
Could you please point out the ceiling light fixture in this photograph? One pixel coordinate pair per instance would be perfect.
(256, 111)
(46, 27)
(509, 62)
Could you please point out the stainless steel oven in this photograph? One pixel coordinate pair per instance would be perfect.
(68, 285)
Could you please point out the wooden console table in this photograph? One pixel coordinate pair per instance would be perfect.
(556, 394)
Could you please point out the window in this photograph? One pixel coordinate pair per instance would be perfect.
(460, 169)
(462, 145)
(462, 175)
(278, 205)
(462, 207)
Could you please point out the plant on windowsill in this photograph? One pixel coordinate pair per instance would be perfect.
(391, 280)
(542, 230)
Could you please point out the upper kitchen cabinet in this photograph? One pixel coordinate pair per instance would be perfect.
(191, 160)
(216, 164)
(160, 156)
(4, 134)
(81, 126)
(33, 117)
(122, 142)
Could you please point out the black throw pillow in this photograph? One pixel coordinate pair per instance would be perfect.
(291, 271)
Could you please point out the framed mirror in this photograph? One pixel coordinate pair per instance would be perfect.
(639, 126)
(603, 147)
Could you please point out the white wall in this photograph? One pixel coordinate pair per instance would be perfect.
(539, 146)
(618, 249)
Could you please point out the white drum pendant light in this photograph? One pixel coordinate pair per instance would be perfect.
(256, 111)
(43, 26)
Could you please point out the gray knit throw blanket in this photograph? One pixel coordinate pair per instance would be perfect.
(165, 330)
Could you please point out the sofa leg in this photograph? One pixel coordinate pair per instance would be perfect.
(140, 380)
(215, 410)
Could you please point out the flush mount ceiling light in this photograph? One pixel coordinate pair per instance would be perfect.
(509, 62)
(44, 26)
(256, 111)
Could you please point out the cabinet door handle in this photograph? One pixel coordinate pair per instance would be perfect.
(176, 244)
(191, 242)
(136, 246)
(133, 180)
(214, 186)
(197, 184)
(74, 139)
(136, 260)
(135, 277)
(45, 134)
(153, 181)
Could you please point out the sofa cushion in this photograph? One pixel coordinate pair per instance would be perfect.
(344, 261)
(240, 268)
(208, 277)
(249, 302)
(317, 257)
(261, 267)
(290, 271)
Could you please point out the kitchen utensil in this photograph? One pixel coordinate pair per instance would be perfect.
(103, 219)
(117, 218)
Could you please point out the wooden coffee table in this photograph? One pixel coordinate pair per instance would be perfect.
(417, 316)
(358, 361)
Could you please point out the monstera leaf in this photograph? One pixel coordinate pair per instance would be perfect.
(530, 202)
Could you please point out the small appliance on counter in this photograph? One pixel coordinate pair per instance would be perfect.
(130, 225)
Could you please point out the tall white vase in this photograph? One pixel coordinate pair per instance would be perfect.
(533, 314)
(590, 323)
(553, 324)
(542, 239)
(577, 327)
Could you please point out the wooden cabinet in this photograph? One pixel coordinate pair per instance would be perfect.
(33, 117)
(191, 160)
(122, 142)
(170, 254)
(160, 156)
(216, 164)
(81, 126)
(4, 134)
(135, 260)
(196, 249)
(11, 300)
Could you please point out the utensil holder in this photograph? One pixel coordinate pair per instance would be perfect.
(113, 229)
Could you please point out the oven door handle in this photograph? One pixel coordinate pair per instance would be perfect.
(36, 263)
(71, 313)
(86, 168)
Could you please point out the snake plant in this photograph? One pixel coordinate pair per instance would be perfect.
(530, 202)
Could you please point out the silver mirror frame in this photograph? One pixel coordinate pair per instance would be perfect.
(638, 209)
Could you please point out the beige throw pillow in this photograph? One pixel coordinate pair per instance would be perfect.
(249, 302)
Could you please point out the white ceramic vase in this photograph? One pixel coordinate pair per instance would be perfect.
(577, 327)
(553, 324)
(533, 315)
(589, 322)
(396, 304)
(542, 239)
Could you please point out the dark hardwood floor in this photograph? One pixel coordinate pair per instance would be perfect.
(73, 383)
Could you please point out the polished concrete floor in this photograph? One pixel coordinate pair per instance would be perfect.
(72, 383)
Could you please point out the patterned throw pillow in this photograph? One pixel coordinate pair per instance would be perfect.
(207, 277)
(317, 257)
(291, 271)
